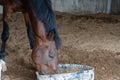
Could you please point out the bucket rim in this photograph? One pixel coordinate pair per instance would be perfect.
(84, 67)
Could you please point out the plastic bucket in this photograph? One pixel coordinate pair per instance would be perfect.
(85, 73)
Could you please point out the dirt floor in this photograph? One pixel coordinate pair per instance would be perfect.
(92, 40)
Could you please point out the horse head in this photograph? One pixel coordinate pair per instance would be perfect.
(45, 53)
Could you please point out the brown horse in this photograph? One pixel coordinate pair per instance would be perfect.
(45, 51)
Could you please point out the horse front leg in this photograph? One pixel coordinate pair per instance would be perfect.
(4, 38)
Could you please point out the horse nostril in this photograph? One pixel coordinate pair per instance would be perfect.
(43, 72)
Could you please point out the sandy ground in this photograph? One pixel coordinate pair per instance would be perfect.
(92, 40)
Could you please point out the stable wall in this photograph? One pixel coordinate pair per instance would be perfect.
(85, 6)
(82, 6)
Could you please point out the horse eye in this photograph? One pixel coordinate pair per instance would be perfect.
(50, 55)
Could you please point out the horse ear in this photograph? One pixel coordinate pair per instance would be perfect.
(51, 35)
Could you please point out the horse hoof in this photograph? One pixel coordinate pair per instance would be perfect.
(3, 66)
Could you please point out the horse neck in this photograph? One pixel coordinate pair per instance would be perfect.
(39, 30)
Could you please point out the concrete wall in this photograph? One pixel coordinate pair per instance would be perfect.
(81, 6)
(115, 7)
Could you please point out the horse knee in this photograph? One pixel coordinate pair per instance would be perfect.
(5, 36)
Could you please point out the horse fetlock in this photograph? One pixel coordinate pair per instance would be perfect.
(3, 66)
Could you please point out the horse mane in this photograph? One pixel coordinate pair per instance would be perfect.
(44, 12)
